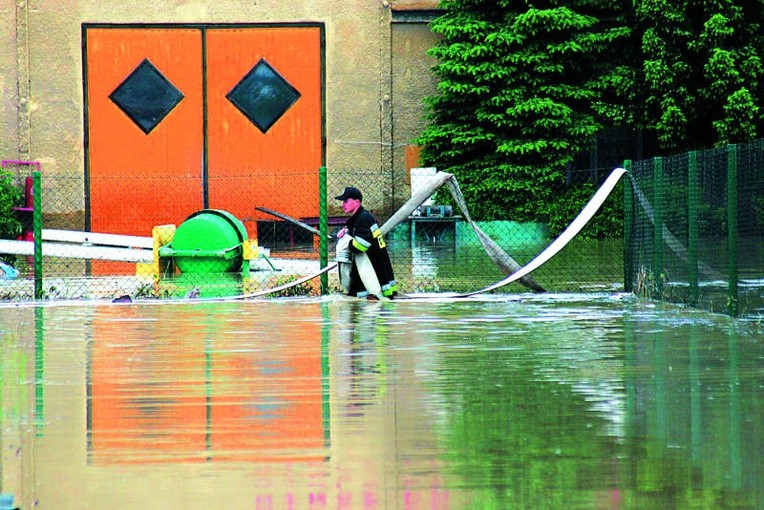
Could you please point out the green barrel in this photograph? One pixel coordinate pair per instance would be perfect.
(208, 241)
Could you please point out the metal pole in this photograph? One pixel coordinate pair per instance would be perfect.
(692, 226)
(628, 234)
(658, 197)
(732, 233)
(323, 228)
(37, 230)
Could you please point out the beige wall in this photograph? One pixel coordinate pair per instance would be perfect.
(375, 73)
(412, 80)
(8, 82)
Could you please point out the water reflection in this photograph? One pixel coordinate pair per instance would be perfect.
(424, 264)
(361, 371)
(209, 387)
(562, 401)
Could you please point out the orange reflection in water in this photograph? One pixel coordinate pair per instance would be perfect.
(200, 390)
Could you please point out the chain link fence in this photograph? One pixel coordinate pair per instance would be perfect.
(693, 233)
(695, 229)
(113, 242)
(436, 250)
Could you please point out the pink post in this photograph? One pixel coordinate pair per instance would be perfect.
(20, 162)
(26, 235)
(29, 192)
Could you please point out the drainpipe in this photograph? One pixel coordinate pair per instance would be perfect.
(385, 96)
(23, 85)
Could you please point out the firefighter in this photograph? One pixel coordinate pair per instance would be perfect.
(370, 271)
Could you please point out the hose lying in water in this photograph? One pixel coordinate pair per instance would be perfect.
(279, 288)
(507, 264)
(499, 257)
(586, 214)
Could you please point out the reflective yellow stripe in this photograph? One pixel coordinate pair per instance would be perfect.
(360, 247)
(377, 234)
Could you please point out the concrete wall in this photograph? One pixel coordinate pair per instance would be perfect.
(376, 73)
(9, 82)
(412, 80)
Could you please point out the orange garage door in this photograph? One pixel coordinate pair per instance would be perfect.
(184, 118)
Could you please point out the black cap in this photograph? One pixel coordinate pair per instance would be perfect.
(350, 193)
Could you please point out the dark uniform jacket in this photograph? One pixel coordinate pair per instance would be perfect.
(367, 238)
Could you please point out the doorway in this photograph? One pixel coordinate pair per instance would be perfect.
(180, 118)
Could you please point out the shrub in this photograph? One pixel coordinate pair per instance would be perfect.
(606, 224)
(10, 197)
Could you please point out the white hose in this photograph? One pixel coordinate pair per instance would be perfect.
(586, 214)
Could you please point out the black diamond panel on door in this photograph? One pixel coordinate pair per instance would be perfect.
(146, 96)
(263, 95)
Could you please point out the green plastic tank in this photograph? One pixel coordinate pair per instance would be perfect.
(208, 241)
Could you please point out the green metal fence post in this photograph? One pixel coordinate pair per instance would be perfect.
(628, 223)
(732, 232)
(37, 230)
(658, 201)
(692, 225)
(323, 228)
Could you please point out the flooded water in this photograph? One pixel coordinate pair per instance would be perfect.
(569, 401)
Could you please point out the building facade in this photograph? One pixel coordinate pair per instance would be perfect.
(136, 92)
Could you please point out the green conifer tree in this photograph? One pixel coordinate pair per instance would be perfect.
(702, 73)
(520, 95)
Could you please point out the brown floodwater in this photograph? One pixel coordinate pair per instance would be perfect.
(599, 401)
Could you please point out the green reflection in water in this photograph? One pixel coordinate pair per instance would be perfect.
(530, 402)
(522, 433)
(531, 443)
(13, 375)
(683, 446)
(39, 367)
(325, 374)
